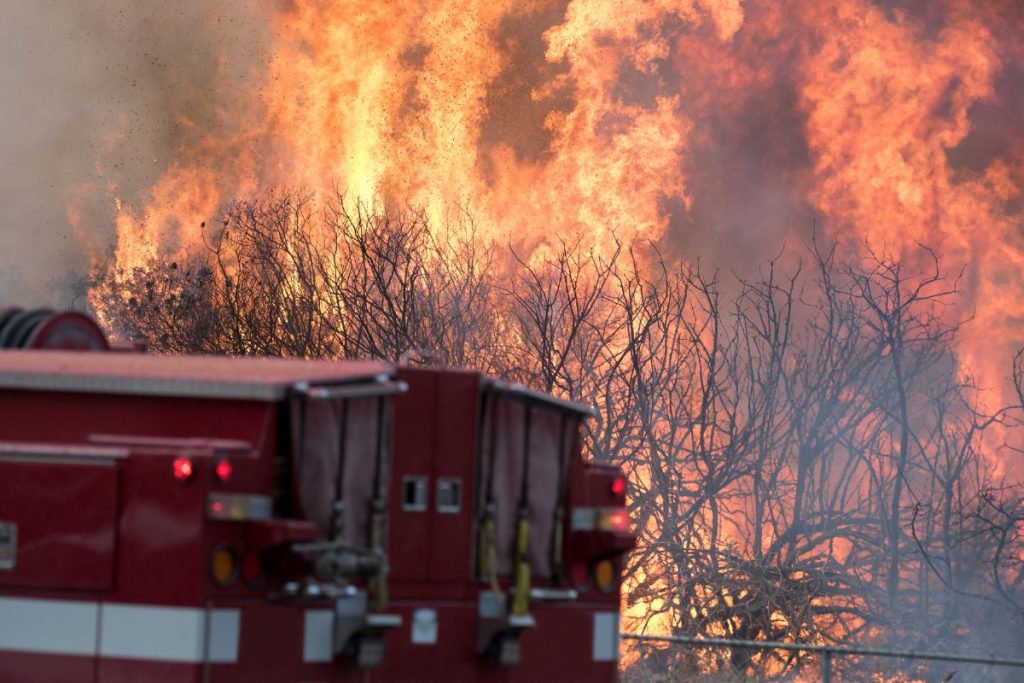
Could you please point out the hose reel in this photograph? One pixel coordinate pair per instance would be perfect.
(44, 328)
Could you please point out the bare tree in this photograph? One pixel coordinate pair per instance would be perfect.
(807, 462)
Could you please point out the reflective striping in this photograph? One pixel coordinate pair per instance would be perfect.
(142, 632)
(599, 519)
(318, 636)
(238, 507)
(606, 636)
(225, 629)
(583, 519)
(58, 627)
(168, 634)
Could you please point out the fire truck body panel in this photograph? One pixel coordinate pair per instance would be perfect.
(74, 544)
(457, 429)
(434, 443)
(571, 642)
(109, 545)
(111, 471)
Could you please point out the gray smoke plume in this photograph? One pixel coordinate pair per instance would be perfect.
(97, 95)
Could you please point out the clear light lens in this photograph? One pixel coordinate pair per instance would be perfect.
(619, 520)
(238, 507)
(613, 519)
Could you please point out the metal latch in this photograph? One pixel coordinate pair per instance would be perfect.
(8, 545)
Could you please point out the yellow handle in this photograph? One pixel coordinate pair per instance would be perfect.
(487, 565)
(521, 601)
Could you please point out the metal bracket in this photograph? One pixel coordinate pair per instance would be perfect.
(497, 633)
(359, 634)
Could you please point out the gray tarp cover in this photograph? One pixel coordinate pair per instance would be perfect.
(317, 457)
(504, 433)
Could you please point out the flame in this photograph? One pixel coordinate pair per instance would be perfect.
(593, 118)
(888, 109)
(716, 128)
(405, 105)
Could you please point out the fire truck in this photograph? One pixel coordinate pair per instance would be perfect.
(176, 518)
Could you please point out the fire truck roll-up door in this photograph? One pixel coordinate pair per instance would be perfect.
(341, 440)
(528, 442)
(524, 459)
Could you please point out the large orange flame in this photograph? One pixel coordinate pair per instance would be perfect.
(721, 129)
(719, 125)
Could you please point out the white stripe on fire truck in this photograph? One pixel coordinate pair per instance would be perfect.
(606, 637)
(53, 627)
(169, 634)
(143, 632)
(318, 636)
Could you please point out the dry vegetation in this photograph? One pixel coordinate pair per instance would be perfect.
(806, 459)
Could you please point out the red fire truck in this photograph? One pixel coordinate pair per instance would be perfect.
(235, 519)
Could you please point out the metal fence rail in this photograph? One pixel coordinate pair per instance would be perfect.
(827, 652)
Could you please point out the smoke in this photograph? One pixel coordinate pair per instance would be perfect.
(98, 97)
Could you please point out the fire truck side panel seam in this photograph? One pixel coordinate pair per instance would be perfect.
(48, 626)
(318, 635)
(606, 637)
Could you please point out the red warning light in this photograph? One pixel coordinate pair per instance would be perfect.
(223, 470)
(252, 568)
(580, 575)
(183, 469)
(619, 486)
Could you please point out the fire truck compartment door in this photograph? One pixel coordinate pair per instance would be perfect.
(60, 511)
